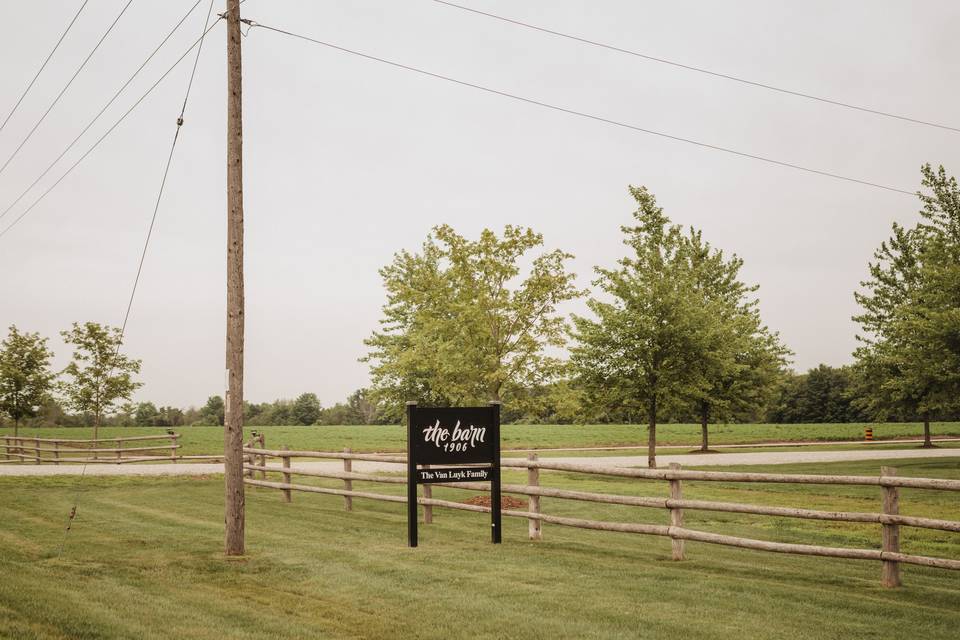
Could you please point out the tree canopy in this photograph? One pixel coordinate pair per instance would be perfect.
(677, 327)
(644, 349)
(908, 361)
(464, 323)
(739, 369)
(99, 376)
(25, 375)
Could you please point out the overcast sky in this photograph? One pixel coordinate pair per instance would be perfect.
(348, 161)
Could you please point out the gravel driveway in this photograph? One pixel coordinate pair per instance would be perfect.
(719, 459)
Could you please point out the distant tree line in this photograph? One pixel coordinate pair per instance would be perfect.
(306, 409)
(824, 394)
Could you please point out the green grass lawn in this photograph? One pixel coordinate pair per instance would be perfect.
(209, 440)
(144, 561)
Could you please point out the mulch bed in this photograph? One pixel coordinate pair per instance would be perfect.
(506, 502)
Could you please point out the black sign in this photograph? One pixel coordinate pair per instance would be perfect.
(453, 474)
(447, 435)
(453, 436)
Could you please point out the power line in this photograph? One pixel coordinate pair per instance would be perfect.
(582, 114)
(717, 74)
(107, 133)
(143, 254)
(43, 66)
(163, 182)
(67, 86)
(101, 112)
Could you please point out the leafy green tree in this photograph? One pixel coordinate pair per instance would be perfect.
(25, 375)
(644, 351)
(251, 411)
(124, 415)
(908, 363)
(460, 328)
(339, 413)
(99, 376)
(280, 412)
(306, 409)
(364, 406)
(212, 412)
(146, 415)
(558, 402)
(739, 368)
(52, 413)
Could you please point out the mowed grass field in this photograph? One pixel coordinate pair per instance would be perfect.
(209, 440)
(144, 560)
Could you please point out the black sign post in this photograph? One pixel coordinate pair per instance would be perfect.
(453, 436)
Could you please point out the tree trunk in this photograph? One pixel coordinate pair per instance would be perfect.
(704, 416)
(16, 427)
(652, 434)
(927, 444)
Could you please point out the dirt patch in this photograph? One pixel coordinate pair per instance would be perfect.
(506, 502)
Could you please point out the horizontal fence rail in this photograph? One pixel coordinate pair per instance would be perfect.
(26, 450)
(888, 518)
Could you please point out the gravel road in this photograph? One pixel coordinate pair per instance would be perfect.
(719, 459)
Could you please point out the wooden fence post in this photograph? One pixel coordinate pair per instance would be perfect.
(676, 514)
(6, 447)
(119, 450)
(890, 533)
(36, 450)
(263, 457)
(427, 508)
(347, 484)
(173, 447)
(533, 480)
(286, 476)
(56, 452)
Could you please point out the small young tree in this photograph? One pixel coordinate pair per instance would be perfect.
(99, 376)
(25, 375)
(644, 351)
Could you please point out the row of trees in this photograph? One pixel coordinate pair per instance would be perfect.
(674, 331)
(306, 409)
(97, 379)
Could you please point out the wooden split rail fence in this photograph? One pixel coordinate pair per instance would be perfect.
(37, 450)
(889, 518)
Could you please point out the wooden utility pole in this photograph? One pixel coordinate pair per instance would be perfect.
(233, 420)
